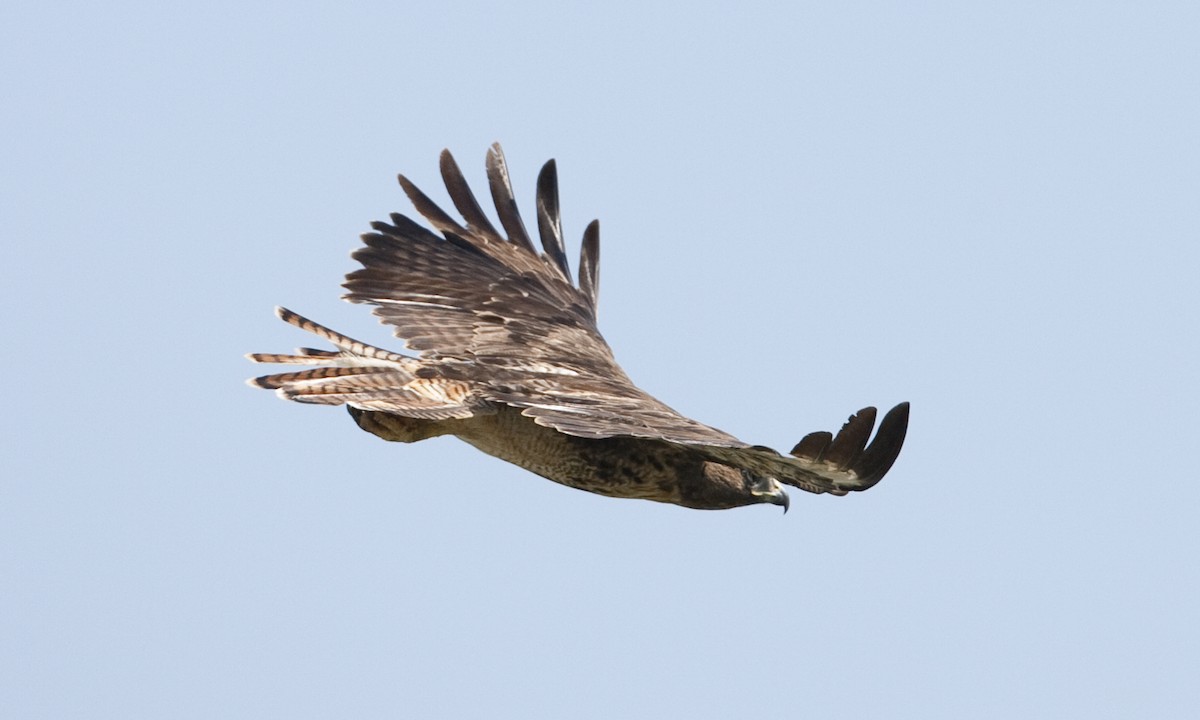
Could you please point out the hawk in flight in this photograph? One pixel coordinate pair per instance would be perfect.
(509, 359)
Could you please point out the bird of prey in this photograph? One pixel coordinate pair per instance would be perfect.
(509, 359)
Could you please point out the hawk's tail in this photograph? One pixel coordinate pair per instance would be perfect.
(362, 376)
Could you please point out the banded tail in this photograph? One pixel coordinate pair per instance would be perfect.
(363, 376)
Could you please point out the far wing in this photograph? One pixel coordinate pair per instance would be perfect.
(827, 463)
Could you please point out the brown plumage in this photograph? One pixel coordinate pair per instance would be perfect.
(511, 361)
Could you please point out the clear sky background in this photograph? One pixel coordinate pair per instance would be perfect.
(988, 209)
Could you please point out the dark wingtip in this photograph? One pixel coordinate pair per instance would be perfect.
(505, 202)
(812, 446)
(550, 219)
(462, 197)
(848, 444)
(878, 457)
(589, 263)
(428, 208)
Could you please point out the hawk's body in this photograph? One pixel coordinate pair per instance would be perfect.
(511, 362)
(618, 466)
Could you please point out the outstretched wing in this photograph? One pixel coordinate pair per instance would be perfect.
(473, 295)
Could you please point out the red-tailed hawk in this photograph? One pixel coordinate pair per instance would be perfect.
(510, 361)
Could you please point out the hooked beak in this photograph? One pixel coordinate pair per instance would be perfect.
(780, 498)
(770, 491)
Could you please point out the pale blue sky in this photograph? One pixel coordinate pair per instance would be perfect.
(987, 209)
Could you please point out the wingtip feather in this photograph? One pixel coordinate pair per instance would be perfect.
(878, 457)
(504, 200)
(848, 444)
(589, 263)
(550, 218)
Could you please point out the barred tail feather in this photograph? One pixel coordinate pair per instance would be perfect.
(348, 345)
(362, 376)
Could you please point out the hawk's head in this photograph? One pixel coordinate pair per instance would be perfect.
(721, 487)
(768, 490)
